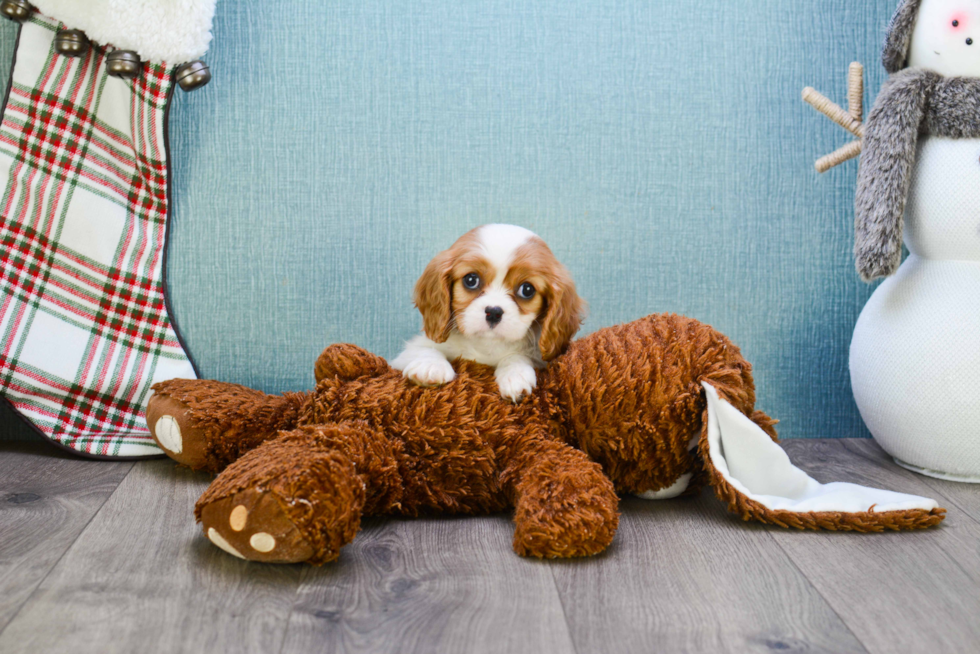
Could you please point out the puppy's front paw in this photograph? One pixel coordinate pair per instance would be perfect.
(430, 372)
(515, 382)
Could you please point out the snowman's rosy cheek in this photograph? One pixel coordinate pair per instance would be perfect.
(958, 22)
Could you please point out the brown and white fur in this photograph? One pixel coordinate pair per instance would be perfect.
(497, 322)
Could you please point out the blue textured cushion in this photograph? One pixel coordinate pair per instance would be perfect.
(659, 147)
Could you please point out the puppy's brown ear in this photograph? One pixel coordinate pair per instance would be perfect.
(563, 316)
(433, 297)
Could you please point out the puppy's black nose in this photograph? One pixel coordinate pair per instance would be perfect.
(494, 316)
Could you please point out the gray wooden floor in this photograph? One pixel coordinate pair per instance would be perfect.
(105, 557)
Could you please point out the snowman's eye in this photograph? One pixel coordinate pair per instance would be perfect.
(956, 23)
(969, 41)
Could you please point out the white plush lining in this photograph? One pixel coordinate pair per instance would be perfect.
(160, 31)
(670, 492)
(759, 469)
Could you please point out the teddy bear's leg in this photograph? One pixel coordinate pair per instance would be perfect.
(208, 424)
(300, 496)
(564, 506)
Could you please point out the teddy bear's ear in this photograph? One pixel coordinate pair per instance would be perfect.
(433, 297)
(563, 315)
(757, 480)
(896, 52)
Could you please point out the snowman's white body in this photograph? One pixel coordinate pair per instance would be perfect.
(915, 354)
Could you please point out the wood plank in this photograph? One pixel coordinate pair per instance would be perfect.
(962, 497)
(430, 585)
(685, 576)
(898, 592)
(47, 497)
(141, 577)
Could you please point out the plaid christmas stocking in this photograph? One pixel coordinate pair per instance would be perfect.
(84, 325)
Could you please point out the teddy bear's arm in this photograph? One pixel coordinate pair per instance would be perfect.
(564, 506)
(348, 362)
(885, 172)
(207, 424)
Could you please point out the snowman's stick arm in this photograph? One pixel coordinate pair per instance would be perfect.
(839, 156)
(831, 110)
(855, 91)
(851, 120)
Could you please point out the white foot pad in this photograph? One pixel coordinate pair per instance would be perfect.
(671, 492)
(218, 540)
(238, 518)
(167, 432)
(262, 542)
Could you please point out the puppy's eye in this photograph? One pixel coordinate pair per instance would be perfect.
(472, 281)
(526, 291)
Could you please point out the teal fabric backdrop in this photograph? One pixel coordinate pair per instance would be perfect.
(659, 147)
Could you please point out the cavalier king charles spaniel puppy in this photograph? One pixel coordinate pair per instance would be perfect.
(499, 297)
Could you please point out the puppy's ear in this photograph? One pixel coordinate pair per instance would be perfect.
(563, 315)
(433, 297)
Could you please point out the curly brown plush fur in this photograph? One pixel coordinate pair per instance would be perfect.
(621, 410)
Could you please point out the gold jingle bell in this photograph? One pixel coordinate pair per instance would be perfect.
(193, 75)
(71, 43)
(18, 10)
(123, 63)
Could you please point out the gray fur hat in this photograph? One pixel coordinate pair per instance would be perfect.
(896, 51)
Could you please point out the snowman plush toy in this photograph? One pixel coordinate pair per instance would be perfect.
(915, 354)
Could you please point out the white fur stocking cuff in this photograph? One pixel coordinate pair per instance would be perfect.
(160, 31)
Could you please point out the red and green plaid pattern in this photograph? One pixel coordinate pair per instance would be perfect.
(84, 329)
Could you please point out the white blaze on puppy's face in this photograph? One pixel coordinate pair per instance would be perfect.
(946, 38)
(483, 288)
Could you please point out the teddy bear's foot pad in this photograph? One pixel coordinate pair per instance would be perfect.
(175, 432)
(253, 526)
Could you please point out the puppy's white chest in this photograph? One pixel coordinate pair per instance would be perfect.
(487, 351)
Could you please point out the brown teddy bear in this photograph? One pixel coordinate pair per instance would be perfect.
(656, 407)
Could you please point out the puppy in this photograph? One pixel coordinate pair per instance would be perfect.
(499, 297)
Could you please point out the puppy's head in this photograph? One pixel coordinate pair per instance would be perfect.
(500, 282)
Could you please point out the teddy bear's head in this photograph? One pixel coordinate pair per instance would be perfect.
(630, 397)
